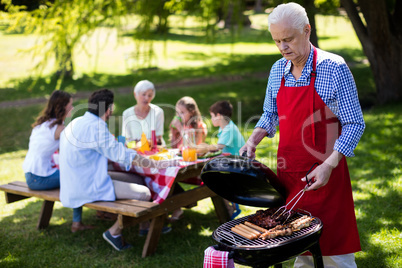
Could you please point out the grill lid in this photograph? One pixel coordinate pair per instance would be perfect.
(243, 181)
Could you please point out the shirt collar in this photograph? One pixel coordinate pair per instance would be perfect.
(92, 116)
(308, 67)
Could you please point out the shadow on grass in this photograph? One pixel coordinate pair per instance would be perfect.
(374, 174)
(24, 246)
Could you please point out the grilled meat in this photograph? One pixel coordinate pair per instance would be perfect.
(264, 218)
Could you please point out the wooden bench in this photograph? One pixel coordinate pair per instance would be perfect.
(129, 212)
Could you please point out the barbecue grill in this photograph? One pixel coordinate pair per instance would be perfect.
(248, 182)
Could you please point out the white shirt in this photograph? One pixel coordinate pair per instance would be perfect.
(133, 126)
(85, 147)
(42, 146)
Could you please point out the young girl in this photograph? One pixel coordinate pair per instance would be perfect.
(188, 117)
(39, 168)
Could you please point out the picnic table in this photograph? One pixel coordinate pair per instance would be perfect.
(160, 181)
(163, 184)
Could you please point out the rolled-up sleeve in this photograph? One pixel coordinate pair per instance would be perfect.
(349, 111)
(269, 119)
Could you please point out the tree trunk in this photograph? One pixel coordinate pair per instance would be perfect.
(258, 6)
(311, 11)
(235, 16)
(381, 39)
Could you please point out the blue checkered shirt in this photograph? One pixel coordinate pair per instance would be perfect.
(336, 87)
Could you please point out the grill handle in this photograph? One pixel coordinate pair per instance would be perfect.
(231, 252)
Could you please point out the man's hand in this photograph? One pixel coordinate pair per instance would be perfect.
(319, 177)
(248, 148)
(252, 142)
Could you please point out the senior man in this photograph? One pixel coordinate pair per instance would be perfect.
(311, 95)
(85, 147)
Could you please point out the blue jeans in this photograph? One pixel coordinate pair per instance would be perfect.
(47, 183)
(43, 183)
(77, 214)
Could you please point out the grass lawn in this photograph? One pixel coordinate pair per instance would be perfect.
(375, 171)
(376, 180)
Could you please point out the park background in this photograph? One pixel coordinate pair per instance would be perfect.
(186, 59)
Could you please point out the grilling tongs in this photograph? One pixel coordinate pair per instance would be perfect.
(284, 209)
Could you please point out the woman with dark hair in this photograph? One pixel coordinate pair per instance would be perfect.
(40, 170)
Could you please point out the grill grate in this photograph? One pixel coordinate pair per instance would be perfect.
(223, 233)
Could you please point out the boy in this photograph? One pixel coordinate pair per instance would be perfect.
(230, 139)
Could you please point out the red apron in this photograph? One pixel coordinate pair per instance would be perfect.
(308, 130)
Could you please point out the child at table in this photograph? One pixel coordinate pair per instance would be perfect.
(230, 139)
(188, 117)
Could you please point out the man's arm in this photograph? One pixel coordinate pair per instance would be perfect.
(352, 122)
(349, 111)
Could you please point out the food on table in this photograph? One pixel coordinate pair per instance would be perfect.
(211, 154)
(164, 155)
(132, 144)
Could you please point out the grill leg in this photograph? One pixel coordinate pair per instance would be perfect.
(317, 256)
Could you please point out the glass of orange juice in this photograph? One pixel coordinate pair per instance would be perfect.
(189, 154)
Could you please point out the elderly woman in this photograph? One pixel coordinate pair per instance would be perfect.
(144, 116)
(312, 97)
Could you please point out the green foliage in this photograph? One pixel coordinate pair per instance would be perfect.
(63, 27)
(324, 7)
(60, 27)
(327, 7)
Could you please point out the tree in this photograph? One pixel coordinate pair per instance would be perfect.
(380, 33)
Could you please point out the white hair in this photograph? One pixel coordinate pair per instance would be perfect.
(143, 86)
(292, 12)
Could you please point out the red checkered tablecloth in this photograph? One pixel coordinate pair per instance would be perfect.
(159, 181)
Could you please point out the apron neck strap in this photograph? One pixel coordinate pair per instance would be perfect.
(312, 89)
